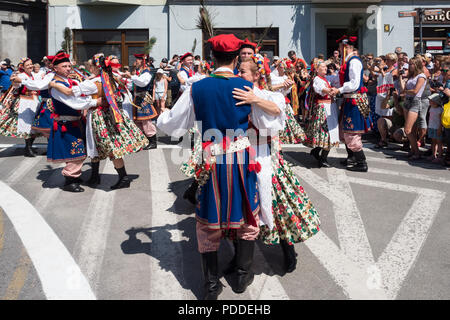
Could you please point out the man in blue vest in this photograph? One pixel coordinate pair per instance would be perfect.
(66, 143)
(354, 119)
(228, 201)
(146, 112)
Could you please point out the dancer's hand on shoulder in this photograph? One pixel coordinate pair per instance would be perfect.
(246, 97)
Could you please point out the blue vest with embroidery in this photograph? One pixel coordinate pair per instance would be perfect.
(229, 198)
(353, 120)
(185, 71)
(147, 87)
(66, 141)
(347, 72)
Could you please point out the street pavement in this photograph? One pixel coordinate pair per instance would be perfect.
(384, 234)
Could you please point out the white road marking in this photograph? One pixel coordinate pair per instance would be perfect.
(402, 251)
(164, 283)
(412, 175)
(407, 242)
(345, 272)
(352, 235)
(46, 195)
(91, 242)
(22, 169)
(60, 276)
(18, 145)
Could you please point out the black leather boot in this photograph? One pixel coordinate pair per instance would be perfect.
(28, 151)
(152, 143)
(290, 257)
(72, 185)
(350, 160)
(315, 153)
(361, 164)
(323, 162)
(94, 180)
(232, 265)
(189, 194)
(210, 266)
(244, 260)
(124, 181)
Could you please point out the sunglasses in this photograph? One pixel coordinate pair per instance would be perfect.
(444, 70)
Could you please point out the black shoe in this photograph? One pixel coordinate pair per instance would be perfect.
(361, 164)
(350, 160)
(315, 153)
(124, 180)
(323, 161)
(72, 185)
(189, 194)
(232, 265)
(94, 180)
(290, 257)
(244, 260)
(28, 151)
(152, 143)
(210, 267)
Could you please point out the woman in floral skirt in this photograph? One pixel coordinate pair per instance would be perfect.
(287, 215)
(19, 108)
(322, 131)
(292, 132)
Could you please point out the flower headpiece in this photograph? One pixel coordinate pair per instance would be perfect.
(96, 59)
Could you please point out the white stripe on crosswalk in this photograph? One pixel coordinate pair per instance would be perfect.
(22, 169)
(59, 275)
(91, 242)
(402, 251)
(410, 175)
(164, 282)
(47, 195)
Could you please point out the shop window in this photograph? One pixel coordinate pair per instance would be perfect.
(121, 43)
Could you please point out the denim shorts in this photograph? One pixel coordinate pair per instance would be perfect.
(412, 104)
(433, 134)
(419, 106)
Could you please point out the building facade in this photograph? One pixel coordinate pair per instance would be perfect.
(23, 29)
(122, 27)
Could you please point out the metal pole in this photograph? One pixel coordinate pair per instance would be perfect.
(420, 29)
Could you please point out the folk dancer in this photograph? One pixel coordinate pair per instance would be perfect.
(323, 124)
(227, 198)
(145, 112)
(66, 142)
(287, 215)
(292, 132)
(356, 107)
(19, 108)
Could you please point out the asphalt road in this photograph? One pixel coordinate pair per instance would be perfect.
(384, 234)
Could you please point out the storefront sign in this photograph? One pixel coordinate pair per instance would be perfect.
(443, 18)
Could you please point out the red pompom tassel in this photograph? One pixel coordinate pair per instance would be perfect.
(55, 126)
(63, 128)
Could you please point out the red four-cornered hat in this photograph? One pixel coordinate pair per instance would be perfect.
(187, 54)
(225, 43)
(249, 43)
(140, 55)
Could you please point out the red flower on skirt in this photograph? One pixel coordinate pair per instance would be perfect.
(104, 133)
(116, 143)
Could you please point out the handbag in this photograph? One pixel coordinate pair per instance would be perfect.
(445, 117)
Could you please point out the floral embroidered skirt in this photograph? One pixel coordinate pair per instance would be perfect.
(115, 140)
(317, 134)
(9, 117)
(295, 218)
(293, 133)
(195, 157)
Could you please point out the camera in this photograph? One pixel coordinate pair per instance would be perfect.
(401, 72)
